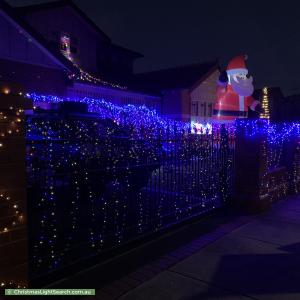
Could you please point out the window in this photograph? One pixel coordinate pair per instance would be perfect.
(203, 109)
(66, 48)
(65, 45)
(209, 107)
(194, 108)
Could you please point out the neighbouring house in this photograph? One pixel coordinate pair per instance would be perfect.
(291, 108)
(188, 92)
(70, 57)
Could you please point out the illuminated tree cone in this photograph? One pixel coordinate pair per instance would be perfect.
(265, 104)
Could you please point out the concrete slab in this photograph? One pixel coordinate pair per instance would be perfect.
(259, 260)
(250, 267)
(280, 232)
(285, 210)
(172, 286)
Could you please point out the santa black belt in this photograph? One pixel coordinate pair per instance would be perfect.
(234, 113)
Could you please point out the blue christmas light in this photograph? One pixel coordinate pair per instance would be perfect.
(141, 118)
(137, 155)
(144, 119)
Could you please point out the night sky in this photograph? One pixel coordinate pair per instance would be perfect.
(171, 33)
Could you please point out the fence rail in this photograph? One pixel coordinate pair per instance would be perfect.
(91, 190)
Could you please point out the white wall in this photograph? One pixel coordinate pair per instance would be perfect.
(202, 96)
(116, 96)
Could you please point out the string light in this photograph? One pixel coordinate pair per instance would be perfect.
(151, 173)
(12, 285)
(10, 121)
(122, 170)
(84, 76)
(133, 170)
(6, 91)
(199, 128)
(265, 104)
(140, 118)
(274, 183)
(18, 216)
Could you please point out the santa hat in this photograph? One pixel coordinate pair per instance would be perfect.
(237, 65)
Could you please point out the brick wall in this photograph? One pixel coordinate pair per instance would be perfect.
(13, 215)
(257, 185)
(32, 78)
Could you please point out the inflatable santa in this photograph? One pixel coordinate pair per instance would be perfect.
(234, 92)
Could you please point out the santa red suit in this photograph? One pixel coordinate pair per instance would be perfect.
(234, 97)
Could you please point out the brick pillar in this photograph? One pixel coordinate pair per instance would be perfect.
(251, 165)
(296, 168)
(13, 215)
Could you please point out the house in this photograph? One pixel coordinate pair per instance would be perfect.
(70, 57)
(26, 63)
(73, 58)
(79, 39)
(188, 92)
(291, 108)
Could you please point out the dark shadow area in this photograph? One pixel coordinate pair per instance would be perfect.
(293, 248)
(146, 251)
(257, 274)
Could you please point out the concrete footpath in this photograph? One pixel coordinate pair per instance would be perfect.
(256, 257)
(258, 260)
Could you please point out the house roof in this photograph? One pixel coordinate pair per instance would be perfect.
(63, 3)
(37, 38)
(179, 77)
(133, 53)
(57, 4)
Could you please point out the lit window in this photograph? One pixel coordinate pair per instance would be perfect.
(65, 46)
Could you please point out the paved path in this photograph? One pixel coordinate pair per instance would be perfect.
(258, 260)
(256, 257)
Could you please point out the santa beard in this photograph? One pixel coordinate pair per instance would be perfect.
(243, 87)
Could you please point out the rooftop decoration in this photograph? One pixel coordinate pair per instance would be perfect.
(65, 48)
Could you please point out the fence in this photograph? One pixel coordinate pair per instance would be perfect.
(94, 186)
